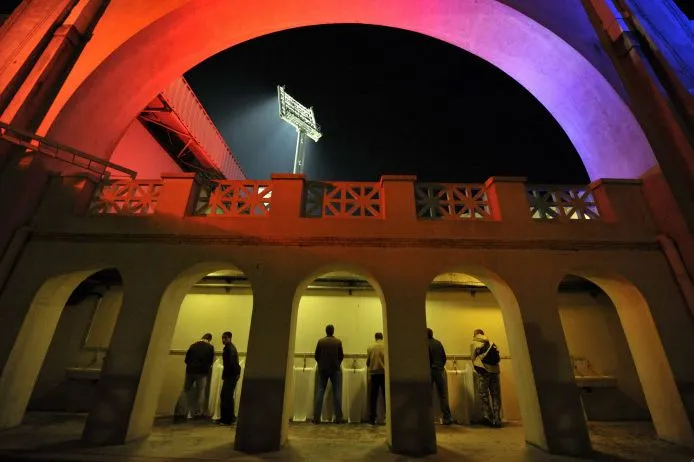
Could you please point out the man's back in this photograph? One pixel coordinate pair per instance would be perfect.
(230, 359)
(199, 358)
(329, 354)
(376, 358)
(437, 355)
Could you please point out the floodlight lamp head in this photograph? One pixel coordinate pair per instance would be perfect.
(297, 115)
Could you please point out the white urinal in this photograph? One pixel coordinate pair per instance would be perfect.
(215, 388)
(302, 409)
(354, 397)
(457, 394)
(214, 401)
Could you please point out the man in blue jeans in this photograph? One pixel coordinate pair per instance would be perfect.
(328, 358)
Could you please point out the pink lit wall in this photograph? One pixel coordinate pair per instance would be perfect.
(138, 151)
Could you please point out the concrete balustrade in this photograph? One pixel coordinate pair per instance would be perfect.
(622, 209)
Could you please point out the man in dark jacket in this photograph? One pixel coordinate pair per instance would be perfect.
(328, 358)
(230, 377)
(199, 359)
(437, 363)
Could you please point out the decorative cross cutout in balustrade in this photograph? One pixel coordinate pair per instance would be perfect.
(126, 197)
(562, 203)
(442, 201)
(342, 200)
(234, 198)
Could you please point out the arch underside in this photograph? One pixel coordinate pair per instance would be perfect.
(600, 125)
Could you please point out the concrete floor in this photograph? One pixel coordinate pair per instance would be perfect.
(55, 437)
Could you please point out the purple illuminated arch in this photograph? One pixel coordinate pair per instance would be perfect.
(599, 124)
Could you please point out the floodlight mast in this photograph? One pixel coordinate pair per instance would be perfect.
(301, 118)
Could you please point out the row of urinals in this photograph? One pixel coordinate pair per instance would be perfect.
(462, 396)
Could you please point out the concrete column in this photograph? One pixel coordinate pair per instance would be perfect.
(131, 375)
(399, 198)
(287, 196)
(408, 387)
(65, 197)
(263, 412)
(508, 199)
(22, 184)
(658, 328)
(33, 98)
(550, 402)
(178, 195)
(26, 33)
(623, 202)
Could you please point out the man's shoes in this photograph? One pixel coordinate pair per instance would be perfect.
(485, 421)
(372, 422)
(340, 421)
(448, 422)
(179, 419)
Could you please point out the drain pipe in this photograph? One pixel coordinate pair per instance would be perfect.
(674, 258)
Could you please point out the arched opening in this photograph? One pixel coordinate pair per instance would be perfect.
(56, 361)
(457, 305)
(353, 305)
(96, 106)
(619, 359)
(603, 365)
(194, 392)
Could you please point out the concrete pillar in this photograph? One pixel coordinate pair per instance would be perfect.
(263, 411)
(550, 402)
(658, 328)
(31, 308)
(132, 371)
(623, 202)
(22, 184)
(37, 91)
(508, 199)
(178, 195)
(26, 33)
(408, 387)
(399, 198)
(287, 196)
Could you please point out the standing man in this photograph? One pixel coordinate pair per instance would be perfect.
(376, 365)
(485, 360)
(437, 363)
(230, 377)
(199, 359)
(328, 358)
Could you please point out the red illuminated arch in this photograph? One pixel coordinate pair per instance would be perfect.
(599, 124)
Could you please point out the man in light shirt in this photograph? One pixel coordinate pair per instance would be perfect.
(485, 360)
(376, 365)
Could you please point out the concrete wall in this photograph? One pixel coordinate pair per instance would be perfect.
(590, 322)
(139, 151)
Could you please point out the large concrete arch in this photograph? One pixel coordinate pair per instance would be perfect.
(118, 84)
(22, 369)
(655, 373)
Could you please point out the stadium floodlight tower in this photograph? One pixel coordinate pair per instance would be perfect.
(301, 118)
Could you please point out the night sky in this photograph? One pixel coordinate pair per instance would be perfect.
(388, 101)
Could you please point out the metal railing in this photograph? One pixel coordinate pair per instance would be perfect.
(40, 145)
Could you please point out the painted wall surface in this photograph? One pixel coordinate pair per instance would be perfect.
(591, 326)
(139, 151)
